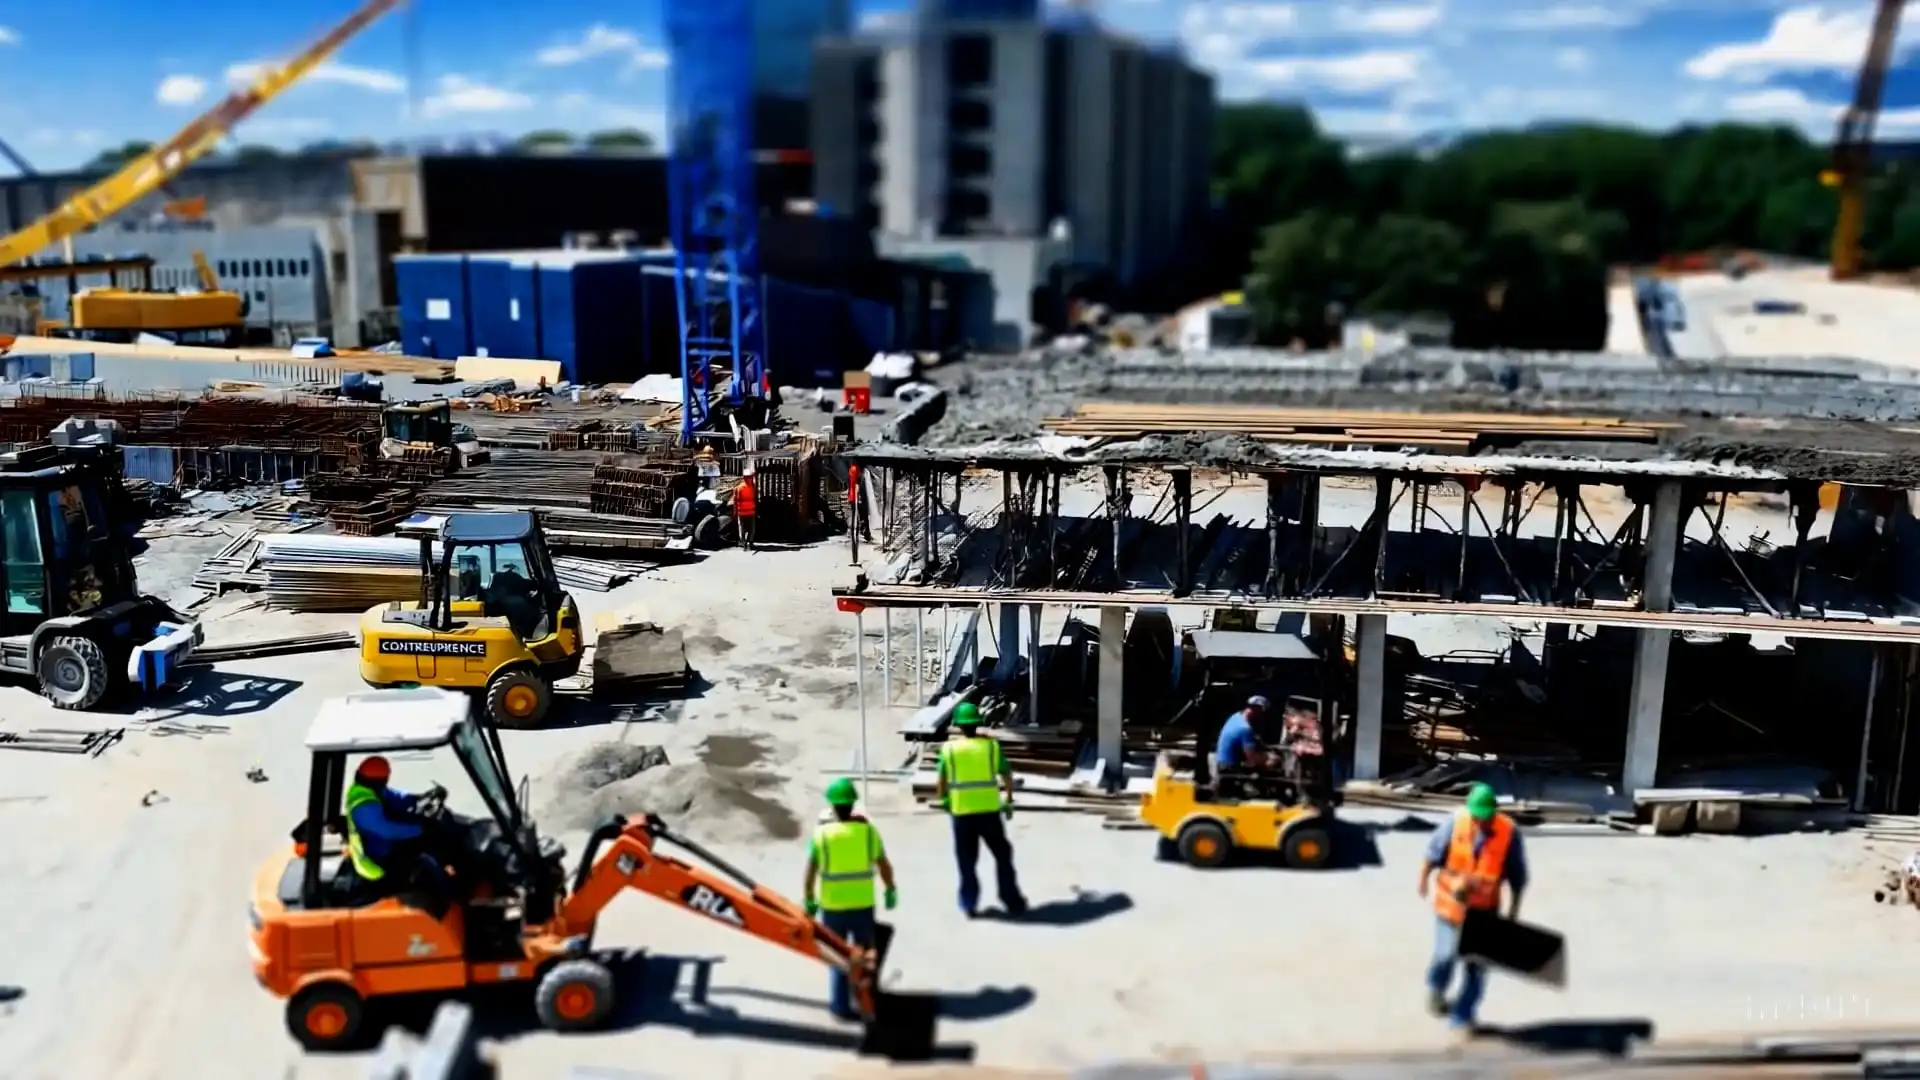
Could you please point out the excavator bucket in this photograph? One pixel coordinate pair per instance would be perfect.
(1528, 951)
(902, 1026)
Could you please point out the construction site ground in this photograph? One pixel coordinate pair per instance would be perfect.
(129, 874)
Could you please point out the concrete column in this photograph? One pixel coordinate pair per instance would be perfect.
(1033, 662)
(1647, 698)
(1113, 638)
(1370, 695)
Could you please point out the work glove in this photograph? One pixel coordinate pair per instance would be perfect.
(892, 897)
(1007, 811)
(813, 907)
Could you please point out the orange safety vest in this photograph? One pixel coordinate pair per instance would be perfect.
(743, 499)
(1468, 880)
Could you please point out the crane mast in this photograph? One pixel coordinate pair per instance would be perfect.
(150, 171)
(1853, 144)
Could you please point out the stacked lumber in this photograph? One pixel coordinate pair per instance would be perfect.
(1345, 427)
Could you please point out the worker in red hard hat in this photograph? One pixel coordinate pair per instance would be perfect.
(387, 835)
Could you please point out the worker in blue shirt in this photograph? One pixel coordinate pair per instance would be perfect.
(1240, 745)
(1472, 857)
(386, 837)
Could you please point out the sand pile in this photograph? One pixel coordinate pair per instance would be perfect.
(722, 798)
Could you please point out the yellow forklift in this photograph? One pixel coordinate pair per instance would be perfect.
(1204, 816)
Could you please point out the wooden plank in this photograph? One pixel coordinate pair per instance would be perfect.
(1305, 415)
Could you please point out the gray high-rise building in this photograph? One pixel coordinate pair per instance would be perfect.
(1017, 145)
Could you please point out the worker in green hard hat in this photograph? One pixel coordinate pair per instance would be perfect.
(1474, 854)
(842, 859)
(976, 788)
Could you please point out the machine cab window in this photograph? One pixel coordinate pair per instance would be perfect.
(24, 563)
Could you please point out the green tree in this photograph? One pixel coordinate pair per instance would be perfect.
(620, 140)
(1409, 265)
(112, 159)
(1303, 276)
(547, 142)
(251, 153)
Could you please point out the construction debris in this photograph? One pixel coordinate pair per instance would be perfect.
(208, 655)
(638, 658)
(62, 740)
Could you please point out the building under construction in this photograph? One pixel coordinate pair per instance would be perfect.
(1719, 607)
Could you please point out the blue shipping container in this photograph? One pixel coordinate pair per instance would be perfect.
(816, 335)
(435, 308)
(487, 285)
(152, 463)
(591, 320)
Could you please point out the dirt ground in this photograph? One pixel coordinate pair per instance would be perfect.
(128, 875)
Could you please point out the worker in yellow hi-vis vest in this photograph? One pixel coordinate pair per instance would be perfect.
(976, 787)
(845, 854)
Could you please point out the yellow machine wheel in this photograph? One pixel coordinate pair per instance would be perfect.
(326, 1016)
(518, 698)
(1204, 844)
(1306, 847)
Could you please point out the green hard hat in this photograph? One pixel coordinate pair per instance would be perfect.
(842, 793)
(966, 714)
(1481, 802)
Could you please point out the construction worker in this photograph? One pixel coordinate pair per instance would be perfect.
(743, 510)
(1473, 854)
(1240, 745)
(386, 840)
(976, 788)
(845, 854)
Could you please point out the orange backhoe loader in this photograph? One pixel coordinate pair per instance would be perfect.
(333, 945)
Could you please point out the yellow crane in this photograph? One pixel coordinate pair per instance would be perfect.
(1853, 144)
(150, 171)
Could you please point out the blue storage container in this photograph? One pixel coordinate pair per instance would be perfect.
(523, 311)
(488, 283)
(151, 463)
(435, 310)
(591, 319)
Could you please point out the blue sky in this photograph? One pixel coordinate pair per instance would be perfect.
(1371, 68)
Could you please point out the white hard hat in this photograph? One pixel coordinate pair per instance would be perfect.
(1257, 702)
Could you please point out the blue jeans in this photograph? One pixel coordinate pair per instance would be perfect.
(969, 832)
(857, 927)
(1473, 981)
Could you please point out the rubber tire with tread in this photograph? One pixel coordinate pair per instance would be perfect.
(570, 973)
(1190, 842)
(497, 696)
(1302, 836)
(327, 993)
(92, 661)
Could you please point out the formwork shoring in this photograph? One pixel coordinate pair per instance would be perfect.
(1477, 546)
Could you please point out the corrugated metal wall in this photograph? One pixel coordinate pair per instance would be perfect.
(435, 309)
(152, 463)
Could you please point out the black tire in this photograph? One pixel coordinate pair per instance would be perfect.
(1306, 847)
(73, 672)
(682, 510)
(1204, 844)
(706, 533)
(574, 995)
(327, 1017)
(506, 693)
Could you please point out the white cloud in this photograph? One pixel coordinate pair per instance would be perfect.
(180, 90)
(1801, 39)
(374, 79)
(1388, 20)
(285, 127)
(9, 36)
(457, 94)
(1786, 105)
(1573, 60)
(1367, 72)
(874, 22)
(80, 137)
(1572, 17)
(601, 41)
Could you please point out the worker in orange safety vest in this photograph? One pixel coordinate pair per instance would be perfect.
(1473, 855)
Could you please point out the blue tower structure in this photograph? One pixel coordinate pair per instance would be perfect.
(710, 194)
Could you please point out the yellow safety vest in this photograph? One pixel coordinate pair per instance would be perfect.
(972, 770)
(359, 795)
(846, 853)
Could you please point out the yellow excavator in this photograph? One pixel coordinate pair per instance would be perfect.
(151, 171)
(210, 315)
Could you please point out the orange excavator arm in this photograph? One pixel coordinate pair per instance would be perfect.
(1853, 143)
(624, 854)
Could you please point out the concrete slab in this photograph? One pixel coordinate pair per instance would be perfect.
(133, 963)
